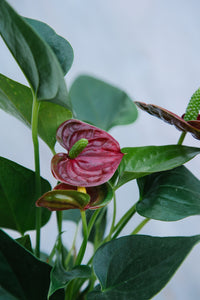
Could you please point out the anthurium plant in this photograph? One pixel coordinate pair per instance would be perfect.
(89, 171)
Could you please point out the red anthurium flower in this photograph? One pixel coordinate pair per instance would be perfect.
(92, 155)
(65, 196)
(192, 126)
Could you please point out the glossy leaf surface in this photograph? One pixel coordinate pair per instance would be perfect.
(15, 276)
(63, 199)
(141, 161)
(16, 99)
(61, 278)
(101, 104)
(95, 164)
(34, 56)
(61, 47)
(192, 126)
(138, 267)
(170, 195)
(17, 194)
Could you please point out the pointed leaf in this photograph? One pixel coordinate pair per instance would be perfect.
(61, 278)
(34, 56)
(25, 241)
(58, 44)
(138, 267)
(22, 275)
(17, 194)
(101, 104)
(16, 99)
(170, 195)
(141, 161)
(63, 199)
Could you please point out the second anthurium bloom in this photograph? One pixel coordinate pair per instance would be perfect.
(92, 155)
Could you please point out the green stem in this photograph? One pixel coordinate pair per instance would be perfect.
(92, 220)
(140, 226)
(59, 214)
(67, 260)
(181, 139)
(85, 238)
(114, 218)
(124, 220)
(34, 127)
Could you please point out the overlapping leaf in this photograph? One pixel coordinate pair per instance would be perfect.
(17, 194)
(22, 276)
(61, 278)
(34, 56)
(61, 47)
(101, 104)
(141, 161)
(138, 267)
(169, 196)
(16, 99)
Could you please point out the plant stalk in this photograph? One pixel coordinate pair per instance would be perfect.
(140, 226)
(34, 127)
(85, 239)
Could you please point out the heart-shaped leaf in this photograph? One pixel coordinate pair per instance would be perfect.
(138, 267)
(22, 275)
(101, 104)
(141, 161)
(34, 56)
(61, 278)
(58, 44)
(169, 196)
(17, 194)
(16, 99)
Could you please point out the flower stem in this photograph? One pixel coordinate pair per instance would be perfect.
(124, 220)
(85, 238)
(114, 217)
(34, 127)
(59, 214)
(182, 137)
(92, 220)
(140, 226)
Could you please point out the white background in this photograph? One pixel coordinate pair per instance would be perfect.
(149, 48)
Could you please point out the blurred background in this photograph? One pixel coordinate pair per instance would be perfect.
(150, 49)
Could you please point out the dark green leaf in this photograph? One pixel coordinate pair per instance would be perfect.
(170, 195)
(21, 274)
(101, 104)
(72, 215)
(16, 99)
(4, 295)
(138, 267)
(141, 161)
(58, 44)
(17, 195)
(60, 278)
(34, 56)
(98, 230)
(25, 242)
